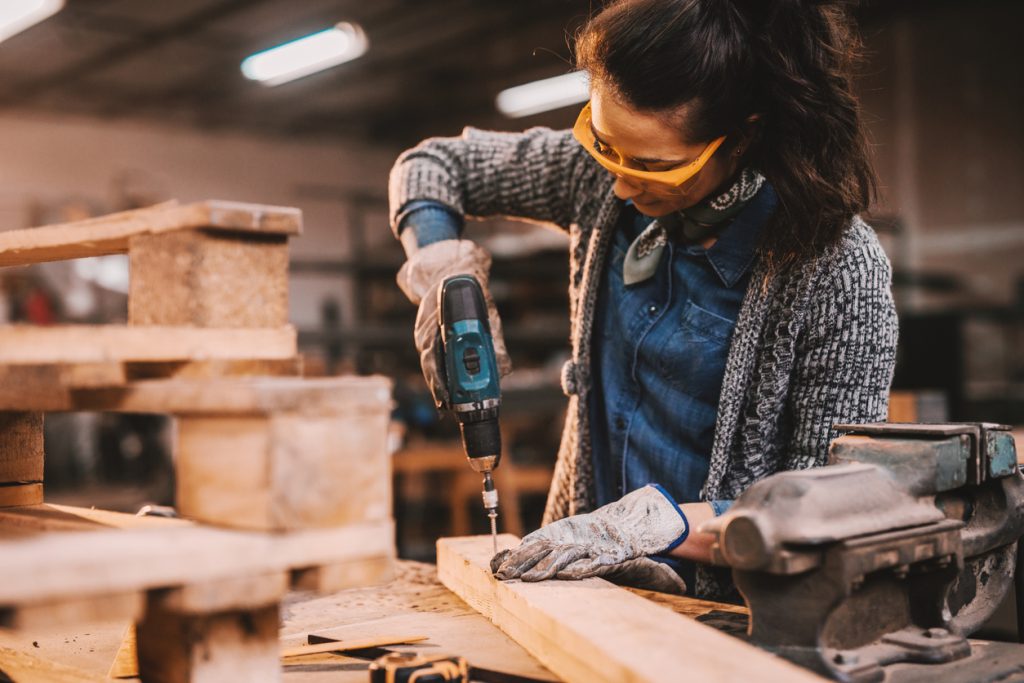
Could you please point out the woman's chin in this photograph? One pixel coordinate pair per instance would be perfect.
(654, 208)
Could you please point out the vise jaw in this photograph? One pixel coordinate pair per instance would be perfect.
(894, 553)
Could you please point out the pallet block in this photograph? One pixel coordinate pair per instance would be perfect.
(591, 630)
(207, 278)
(283, 471)
(21, 458)
(238, 645)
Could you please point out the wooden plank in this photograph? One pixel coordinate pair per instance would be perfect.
(48, 388)
(221, 595)
(349, 644)
(368, 397)
(42, 519)
(126, 661)
(208, 279)
(80, 554)
(102, 386)
(64, 344)
(592, 630)
(205, 369)
(110, 234)
(225, 647)
(284, 471)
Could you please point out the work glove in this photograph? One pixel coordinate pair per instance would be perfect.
(421, 278)
(613, 542)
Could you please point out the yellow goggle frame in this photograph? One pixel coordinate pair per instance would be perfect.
(674, 177)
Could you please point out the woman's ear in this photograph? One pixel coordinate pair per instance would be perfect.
(748, 134)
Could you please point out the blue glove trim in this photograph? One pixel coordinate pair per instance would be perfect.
(430, 221)
(679, 541)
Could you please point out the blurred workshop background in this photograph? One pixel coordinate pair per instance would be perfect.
(108, 105)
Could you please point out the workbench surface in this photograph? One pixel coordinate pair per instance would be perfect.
(415, 603)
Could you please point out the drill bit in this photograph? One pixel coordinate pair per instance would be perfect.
(491, 505)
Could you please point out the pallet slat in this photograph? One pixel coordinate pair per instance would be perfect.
(110, 234)
(75, 554)
(66, 344)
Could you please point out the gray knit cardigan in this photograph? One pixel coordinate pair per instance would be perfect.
(813, 346)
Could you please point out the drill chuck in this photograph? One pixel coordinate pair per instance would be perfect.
(482, 441)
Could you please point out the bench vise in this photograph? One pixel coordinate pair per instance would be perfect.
(878, 566)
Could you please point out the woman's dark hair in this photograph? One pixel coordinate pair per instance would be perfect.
(787, 61)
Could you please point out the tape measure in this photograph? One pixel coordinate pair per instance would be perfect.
(410, 667)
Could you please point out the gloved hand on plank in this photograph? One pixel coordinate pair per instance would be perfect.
(614, 542)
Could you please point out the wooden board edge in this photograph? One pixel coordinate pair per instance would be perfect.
(591, 630)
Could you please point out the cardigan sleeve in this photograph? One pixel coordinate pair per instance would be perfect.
(844, 363)
(532, 175)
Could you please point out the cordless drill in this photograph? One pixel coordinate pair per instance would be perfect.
(473, 381)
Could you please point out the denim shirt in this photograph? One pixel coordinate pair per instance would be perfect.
(660, 348)
(659, 351)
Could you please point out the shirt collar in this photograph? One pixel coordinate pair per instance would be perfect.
(733, 253)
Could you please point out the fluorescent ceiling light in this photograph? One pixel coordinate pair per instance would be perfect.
(305, 56)
(18, 15)
(545, 95)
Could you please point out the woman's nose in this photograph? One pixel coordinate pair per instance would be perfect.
(624, 189)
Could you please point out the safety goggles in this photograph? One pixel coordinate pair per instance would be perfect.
(615, 162)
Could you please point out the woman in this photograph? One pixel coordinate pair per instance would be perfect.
(728, 305)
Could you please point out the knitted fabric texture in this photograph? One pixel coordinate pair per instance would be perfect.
(813, 346)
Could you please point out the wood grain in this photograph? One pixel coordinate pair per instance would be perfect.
(111, 234)
(591, 630)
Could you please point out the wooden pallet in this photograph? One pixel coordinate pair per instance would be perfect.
(285, 481)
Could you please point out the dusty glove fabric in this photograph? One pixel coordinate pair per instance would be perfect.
(643, 572)
(607, 542)
(420, 278)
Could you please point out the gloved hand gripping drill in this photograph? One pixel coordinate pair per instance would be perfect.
(458, 335)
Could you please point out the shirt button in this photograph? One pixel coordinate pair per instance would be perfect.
(620, 423)
(652, 309)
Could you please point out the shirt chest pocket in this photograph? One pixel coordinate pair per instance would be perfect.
(692, 359)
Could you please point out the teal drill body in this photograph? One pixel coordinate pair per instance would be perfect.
(470, 364)
(473, 379)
